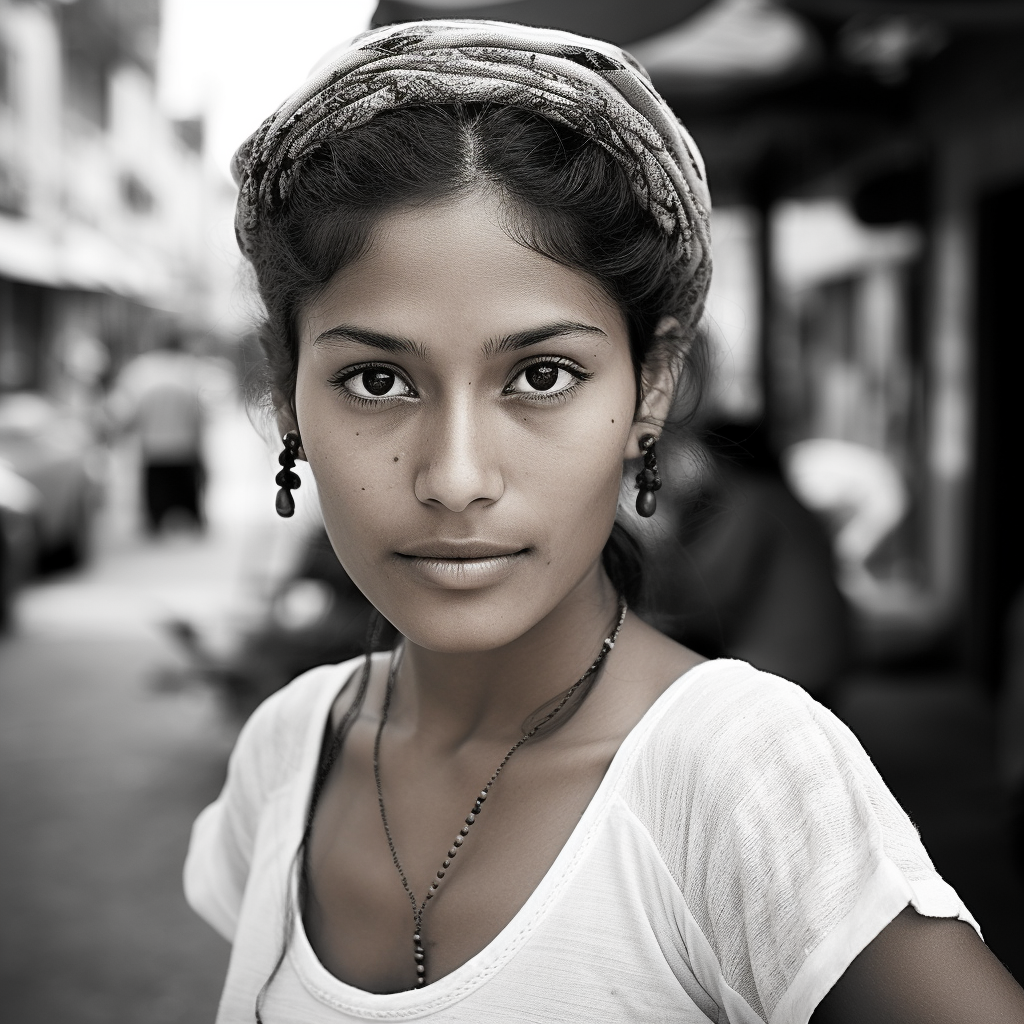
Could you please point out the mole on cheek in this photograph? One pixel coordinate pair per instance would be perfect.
(396, 458)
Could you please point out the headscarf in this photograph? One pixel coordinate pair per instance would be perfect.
(590, 86)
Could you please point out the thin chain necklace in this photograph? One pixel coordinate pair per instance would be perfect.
(417, 907)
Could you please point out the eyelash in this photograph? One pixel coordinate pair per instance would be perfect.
(339, 380)
(582, 376)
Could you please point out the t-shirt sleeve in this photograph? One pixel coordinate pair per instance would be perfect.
(794, 855)
(269, 750)
(220, 849)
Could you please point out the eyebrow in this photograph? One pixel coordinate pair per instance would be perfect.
(535, 335)
(375, 339)
(495, 346)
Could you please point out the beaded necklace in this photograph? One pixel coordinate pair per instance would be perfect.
(417, 907)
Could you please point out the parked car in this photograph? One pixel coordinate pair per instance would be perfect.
(19, 505)
(57, 452)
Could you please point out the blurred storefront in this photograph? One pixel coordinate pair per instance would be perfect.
(104, 202)
(879, 163)
(911, 131)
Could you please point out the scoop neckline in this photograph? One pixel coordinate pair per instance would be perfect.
(419, 1002)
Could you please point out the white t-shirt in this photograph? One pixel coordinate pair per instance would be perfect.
(739, 853)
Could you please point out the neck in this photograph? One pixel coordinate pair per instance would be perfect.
(453, 698)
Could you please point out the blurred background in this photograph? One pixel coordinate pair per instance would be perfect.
(849, 521)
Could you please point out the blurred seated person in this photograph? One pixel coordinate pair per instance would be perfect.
(745, 571)
(859, 492)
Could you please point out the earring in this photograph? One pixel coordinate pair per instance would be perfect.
(647, 480)
(286, 479)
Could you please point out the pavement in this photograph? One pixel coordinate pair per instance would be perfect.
(100, 779)
(105, 761)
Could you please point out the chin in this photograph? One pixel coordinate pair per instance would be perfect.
(466, 623)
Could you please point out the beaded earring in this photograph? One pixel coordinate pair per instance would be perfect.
(647, 480)
(286, 479)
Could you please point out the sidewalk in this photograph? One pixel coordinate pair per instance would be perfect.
(102, 770)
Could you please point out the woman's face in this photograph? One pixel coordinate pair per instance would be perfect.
(465, 405)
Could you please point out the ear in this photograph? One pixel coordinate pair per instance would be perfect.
(657, 384)
(286, 420)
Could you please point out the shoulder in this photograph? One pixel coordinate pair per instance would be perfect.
(278, 734)
(786, 846)
(726, 712)
(747, 760)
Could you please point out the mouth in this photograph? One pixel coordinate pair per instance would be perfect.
(460, 551)
(461, 565)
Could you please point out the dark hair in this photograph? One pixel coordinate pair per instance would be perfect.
(564, 196)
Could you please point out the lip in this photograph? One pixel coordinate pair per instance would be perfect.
(461, 565)
(460, 549)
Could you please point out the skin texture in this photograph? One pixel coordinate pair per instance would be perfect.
(463, 457)
(924, 970)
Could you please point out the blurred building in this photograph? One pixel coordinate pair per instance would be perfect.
(876, 151)
(104, 202)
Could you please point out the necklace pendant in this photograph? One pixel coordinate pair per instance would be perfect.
(419, 953)
(420, 957)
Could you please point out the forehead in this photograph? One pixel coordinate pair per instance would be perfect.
(453, 267)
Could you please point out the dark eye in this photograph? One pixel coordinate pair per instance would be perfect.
(542, 377)
(545, 379)
(378, 382)
(374, 382)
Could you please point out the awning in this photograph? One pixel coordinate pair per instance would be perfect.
(26, 252)
(78, 257)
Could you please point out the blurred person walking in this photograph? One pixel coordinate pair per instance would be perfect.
(159, 397)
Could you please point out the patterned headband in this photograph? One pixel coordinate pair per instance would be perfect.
(589, 86)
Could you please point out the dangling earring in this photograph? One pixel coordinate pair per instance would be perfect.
(286, 479)
(647, 480)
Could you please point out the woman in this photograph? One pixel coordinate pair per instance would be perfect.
(483, 251)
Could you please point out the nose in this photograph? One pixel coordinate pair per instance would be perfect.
(458, 463)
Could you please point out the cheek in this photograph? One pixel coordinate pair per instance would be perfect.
(347, 468)
(363, 509)
(577, 486)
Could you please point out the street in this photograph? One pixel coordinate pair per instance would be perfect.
(106, 757)
(102, 774)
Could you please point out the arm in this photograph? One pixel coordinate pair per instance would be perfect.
(223, 836)
(924, 970)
